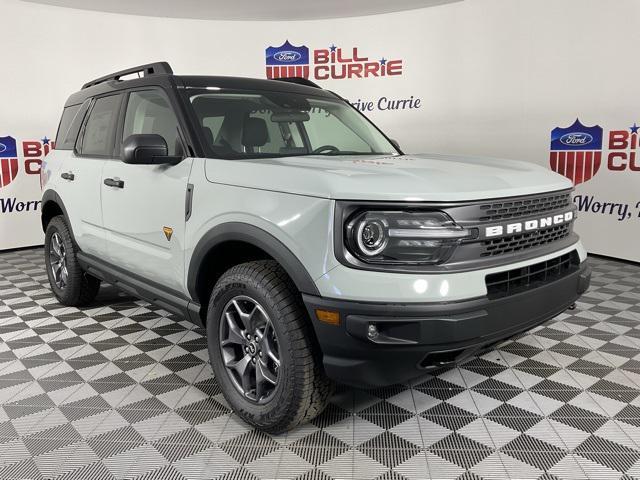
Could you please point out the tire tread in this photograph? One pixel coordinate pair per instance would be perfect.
(81, 288)
(310, 389)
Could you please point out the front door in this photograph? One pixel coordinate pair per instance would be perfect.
(143, 206)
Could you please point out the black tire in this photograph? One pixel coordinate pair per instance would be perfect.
(302, 390)
(80, 288)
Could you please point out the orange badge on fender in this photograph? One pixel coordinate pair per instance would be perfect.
(168, 231)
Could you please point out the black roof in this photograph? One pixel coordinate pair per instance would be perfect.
(160, 74)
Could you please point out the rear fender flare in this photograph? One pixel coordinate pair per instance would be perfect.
(51, 196)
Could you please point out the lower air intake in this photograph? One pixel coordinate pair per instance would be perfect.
(518, 280)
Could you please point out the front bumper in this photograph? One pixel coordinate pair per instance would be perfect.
(413, 338)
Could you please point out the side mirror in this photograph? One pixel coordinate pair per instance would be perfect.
(147, 149)
(395, 144)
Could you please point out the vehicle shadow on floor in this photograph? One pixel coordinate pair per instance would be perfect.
(109, 295)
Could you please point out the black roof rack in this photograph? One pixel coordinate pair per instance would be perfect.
(148, 69)
(299, 81)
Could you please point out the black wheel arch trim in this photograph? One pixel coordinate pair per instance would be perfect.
(51, 196)
(244, 232)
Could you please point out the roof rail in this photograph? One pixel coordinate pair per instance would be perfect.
(299, 81)
(148, 69)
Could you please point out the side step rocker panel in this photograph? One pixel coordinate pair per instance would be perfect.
(170, 300)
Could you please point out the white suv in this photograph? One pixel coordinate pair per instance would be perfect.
(312, 249)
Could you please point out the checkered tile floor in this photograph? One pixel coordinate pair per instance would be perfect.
(124, 390)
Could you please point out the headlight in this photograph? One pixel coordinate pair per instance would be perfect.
(403, 237)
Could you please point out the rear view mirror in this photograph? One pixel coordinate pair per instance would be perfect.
(147, 149)
(281, 117)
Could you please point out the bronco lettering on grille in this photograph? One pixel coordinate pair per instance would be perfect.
(528, 225)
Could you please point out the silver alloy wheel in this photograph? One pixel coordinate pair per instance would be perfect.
(58, 261)
(249, 347)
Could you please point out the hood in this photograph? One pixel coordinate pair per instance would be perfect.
(422, 177)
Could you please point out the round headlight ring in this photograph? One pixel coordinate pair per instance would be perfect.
(371, 236)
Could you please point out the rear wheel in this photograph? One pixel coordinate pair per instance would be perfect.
(69, 283)
(262, 349)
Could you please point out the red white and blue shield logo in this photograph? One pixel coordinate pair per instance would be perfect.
(287, 61)
(576, 151)
(8, 160)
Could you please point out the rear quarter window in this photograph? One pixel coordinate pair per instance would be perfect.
(69, 127)
(68, 115)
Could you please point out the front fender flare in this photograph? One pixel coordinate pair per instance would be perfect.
(244, 232)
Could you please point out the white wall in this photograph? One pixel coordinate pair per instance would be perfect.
(494, 78)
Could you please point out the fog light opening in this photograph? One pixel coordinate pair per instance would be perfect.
(372, 331)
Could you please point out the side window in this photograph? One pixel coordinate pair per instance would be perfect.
(149, 112)
(325, 125)
(70, 124)
(98, 132)
(68, 115)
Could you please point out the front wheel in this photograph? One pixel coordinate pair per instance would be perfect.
(262, 350)
(69, 283)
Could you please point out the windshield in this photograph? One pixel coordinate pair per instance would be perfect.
(277, 124)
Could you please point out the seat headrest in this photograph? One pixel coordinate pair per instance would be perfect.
(254, 132)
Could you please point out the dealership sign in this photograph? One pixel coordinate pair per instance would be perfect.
(8, 161)
(577, 151)
(332, 63)
(33, 151)
(605, 163)
(20, 162)
(20, 171)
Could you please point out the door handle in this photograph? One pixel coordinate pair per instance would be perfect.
(112, 182)
(68, 176)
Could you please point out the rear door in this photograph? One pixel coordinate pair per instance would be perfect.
(144, 205)
(81, 172)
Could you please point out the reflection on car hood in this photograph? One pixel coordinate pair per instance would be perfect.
(422, 177)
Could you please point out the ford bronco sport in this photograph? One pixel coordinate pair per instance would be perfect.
(311, 249)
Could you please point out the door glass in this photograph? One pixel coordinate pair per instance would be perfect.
(150, 112)
(100, 126)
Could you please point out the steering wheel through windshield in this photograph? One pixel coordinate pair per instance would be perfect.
(326, 148)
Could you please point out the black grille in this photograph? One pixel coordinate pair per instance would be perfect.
(523, 241)
(524, 206)
(521, 279)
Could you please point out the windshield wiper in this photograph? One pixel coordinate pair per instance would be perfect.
(348, 152)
